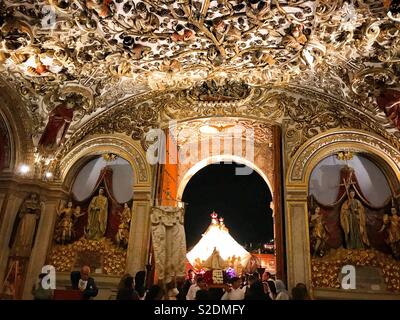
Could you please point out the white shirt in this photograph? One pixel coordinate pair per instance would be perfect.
(191, 295)
(234, 294)
(82, 284)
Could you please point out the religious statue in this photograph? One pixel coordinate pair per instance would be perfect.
(237, 266)
(257, 11)
(101, 7)
(353, 222)
(225, 32)
(388, 100)
(65, 228)
(136, 49)
(319, 232)
(215, 261)
(391, 223)
(57, 125)
(97, 216)
(295, 39)
(145, 21)
(29, 215)
(170, 65)
(182, 35)
(122, 235)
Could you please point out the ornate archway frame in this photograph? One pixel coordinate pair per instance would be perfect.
(119, 144)
(297, 185)
(123, 146)
(216, 159)
(17, 122)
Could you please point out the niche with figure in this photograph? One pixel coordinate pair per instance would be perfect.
(353, 219)
(93, 226)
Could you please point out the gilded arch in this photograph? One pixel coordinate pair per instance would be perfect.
(119, 144)
(18, 126)
(297, 179)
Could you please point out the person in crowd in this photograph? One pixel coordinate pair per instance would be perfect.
(40, 293)
(202, 294)
(122, 281)
(270, 289)
(234, 291)
(127, 292)
(172, 294)
(155, 293)
(299, 292)
(256, 290)
(267, 276)
(281, 292)
(199, 285)
(81, 280)
(256, 275)
(140, 288)
(190, 280)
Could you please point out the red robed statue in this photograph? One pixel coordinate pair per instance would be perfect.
(389, 102)
(57, 126)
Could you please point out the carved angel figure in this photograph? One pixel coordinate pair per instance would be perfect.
(391, 223)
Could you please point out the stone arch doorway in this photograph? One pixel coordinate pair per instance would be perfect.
(247, 212)
(253, 227)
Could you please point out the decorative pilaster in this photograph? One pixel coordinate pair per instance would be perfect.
(139, 234)
(42, 244)
(297, 242)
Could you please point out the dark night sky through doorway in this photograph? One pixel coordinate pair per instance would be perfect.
(243, 201)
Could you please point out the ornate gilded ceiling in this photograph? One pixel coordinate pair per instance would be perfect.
(103, 54)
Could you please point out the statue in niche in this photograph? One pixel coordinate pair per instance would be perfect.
(64, 232)
(353, 222)
(97, 216)
(391, 223)
(29, 215)
(319, 232)
(122, 235)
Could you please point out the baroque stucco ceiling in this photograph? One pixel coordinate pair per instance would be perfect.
(99, 53)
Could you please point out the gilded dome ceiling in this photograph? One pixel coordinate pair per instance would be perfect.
(101, 53)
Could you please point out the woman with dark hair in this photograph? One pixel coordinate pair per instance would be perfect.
(256, 292)
(270, 289)
(299, 292)
(140, 288)
(155, 293)
(127, 292)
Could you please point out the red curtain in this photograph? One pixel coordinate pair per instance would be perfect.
(113, 220)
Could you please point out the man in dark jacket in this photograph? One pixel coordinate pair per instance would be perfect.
(80, 280)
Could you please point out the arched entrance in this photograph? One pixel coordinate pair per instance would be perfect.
(246, 211)
(208, 141)
(216, 184)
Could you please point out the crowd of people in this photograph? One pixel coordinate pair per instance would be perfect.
(249, 287)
